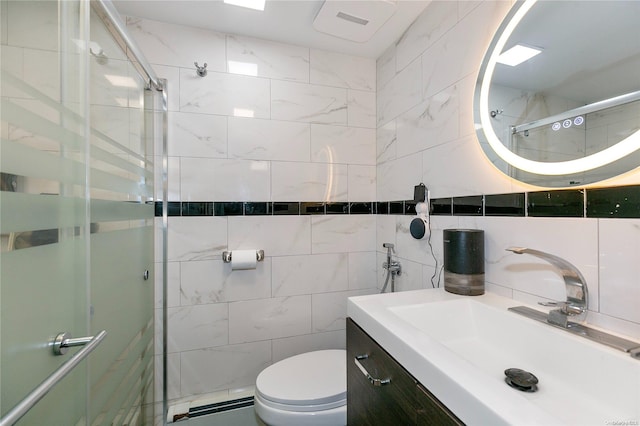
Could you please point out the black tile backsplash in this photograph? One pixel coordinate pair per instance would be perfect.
(441, 206)
(561, 203)
(173, 208)
(311, 208)
(504, 204)
(467, 206)
(614, 202)
(619, 202)
(228, 209)
(257, 209)
(286, 208)
(410, 207)
(396, 207)
(197, 208)
(382, 207)
(360, 208)
(337, 208)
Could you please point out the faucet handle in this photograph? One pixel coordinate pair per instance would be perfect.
(552, 303)
(565, 307)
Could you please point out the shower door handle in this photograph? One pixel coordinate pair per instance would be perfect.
(17, 412)
(63, 342)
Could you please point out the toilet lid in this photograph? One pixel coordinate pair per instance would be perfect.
(312, 378)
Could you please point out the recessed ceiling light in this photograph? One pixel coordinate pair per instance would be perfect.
(517, 55)
(250, 4)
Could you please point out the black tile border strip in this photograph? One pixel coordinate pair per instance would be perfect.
(610, 202)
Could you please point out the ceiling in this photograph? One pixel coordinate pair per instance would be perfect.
(286, 21)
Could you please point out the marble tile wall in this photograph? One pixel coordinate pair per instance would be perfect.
(425, 133)
(270, 122)
(275, 122)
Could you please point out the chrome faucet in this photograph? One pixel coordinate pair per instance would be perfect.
(393, 267)
(577, 303)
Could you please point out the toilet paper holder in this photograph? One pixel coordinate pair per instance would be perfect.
(226, 256)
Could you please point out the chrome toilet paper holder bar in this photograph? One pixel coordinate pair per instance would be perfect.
(226, 256)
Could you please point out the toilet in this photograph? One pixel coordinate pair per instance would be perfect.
(309, 389)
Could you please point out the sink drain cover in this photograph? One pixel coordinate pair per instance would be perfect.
(521, 380)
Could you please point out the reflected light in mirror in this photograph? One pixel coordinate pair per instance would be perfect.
(242, 112)
(249, 4)
(590, 162)
(244, 68)
(329, 188)
(517, 55)
(121, 81)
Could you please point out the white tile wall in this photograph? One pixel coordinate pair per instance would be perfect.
(197, 327)
(619, 268)
(220, 368)
(270, 122)
(297, 275)
(212, 281)
(277, 235)
(353, 233)
(314, 182)
(308, 103)
(362, 183)
(361, 108)
(269, 140)
(289, 346)
(261, 58)
(425, 31)
(224, 94)
(302, 129)
(209, 179)
(197, 135)
(266, 319)
(178, 46)
(329, 310)
(196, 238)
(340, 70)
(430, 137)
(341, 144)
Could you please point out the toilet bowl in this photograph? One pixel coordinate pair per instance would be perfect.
(309, 389)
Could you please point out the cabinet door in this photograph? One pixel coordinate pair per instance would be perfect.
(388, 404)
(431, 411)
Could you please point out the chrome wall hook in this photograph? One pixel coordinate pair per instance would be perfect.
(201, 71)
(100, 56)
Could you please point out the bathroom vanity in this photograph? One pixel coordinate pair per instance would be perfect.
(445, 357)
(381, 391)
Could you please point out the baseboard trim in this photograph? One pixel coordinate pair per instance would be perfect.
(218, 407)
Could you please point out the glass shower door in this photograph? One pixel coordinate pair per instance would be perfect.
(76, 215)
(122, 232)
(43, 205)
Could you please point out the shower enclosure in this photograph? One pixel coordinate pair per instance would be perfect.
(81, 143)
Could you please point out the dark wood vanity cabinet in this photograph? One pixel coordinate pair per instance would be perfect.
(371, 400)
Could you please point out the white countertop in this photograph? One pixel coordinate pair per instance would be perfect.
(476, 397)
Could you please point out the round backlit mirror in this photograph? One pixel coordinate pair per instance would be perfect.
(557, 101)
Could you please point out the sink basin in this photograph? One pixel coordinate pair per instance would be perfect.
(459, 347)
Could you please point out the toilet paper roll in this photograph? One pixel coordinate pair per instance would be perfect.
(243, 259)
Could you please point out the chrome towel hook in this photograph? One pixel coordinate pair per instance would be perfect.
(201, 71)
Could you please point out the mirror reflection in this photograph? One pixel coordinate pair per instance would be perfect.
(575, 101)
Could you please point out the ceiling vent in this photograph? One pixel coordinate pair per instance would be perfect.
(355, 20)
